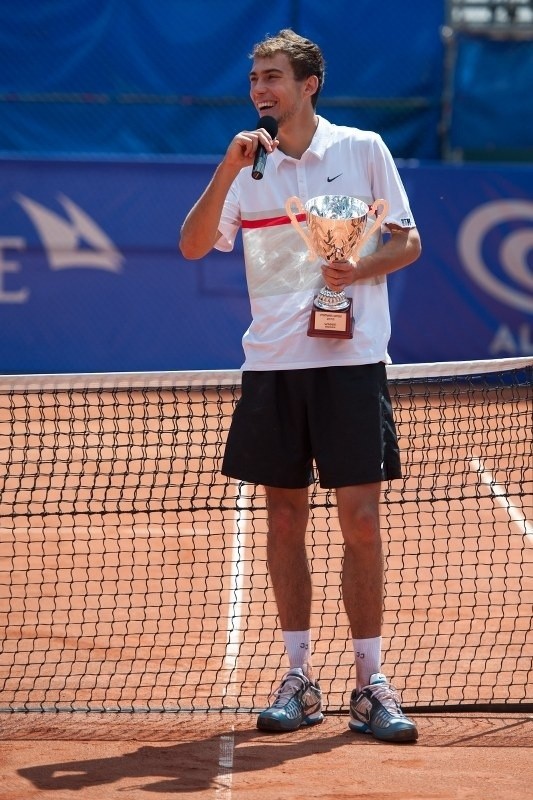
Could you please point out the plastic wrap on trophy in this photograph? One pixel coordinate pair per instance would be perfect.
(336, 231)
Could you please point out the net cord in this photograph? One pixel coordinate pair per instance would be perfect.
(232, 377)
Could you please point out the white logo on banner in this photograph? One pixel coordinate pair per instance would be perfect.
(512, 255)
(76, 242)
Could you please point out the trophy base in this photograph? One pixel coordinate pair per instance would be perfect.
(331, 324)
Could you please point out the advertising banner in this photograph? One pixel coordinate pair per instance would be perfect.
(91, 279)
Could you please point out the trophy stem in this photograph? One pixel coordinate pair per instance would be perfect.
(328, 300)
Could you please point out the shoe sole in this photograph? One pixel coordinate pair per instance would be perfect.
(402, 735)
(269, 724)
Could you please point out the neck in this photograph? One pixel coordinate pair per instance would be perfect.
(296, 135)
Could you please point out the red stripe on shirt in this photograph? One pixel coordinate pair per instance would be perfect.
(268, 223)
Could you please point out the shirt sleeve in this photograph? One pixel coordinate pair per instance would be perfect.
(230, 221)
(387, 184)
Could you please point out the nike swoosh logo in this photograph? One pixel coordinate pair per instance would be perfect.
(335, 178)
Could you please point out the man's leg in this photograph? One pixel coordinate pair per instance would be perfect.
(288, 513)
(298, 699)
(362, 576)
(374, 705)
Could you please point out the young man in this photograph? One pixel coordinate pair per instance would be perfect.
(311, 399)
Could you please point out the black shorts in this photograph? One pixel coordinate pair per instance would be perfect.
(340, 418)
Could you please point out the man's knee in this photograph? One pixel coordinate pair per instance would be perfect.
(288, 512)
(359, 516)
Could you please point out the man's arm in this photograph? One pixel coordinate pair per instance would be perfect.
(402, 248)
(199, 232)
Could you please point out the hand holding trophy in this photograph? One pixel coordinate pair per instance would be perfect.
(335, 232)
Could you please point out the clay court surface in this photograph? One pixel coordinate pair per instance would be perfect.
(458, 757)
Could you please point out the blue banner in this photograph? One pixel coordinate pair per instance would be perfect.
(470, 295)
(171, 76)
(91, 279)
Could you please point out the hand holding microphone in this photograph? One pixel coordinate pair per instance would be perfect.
(247, 145)
(271, 126)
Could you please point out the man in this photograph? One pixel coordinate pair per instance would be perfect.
(311, 399)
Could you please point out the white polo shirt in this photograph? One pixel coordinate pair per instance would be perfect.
(282, 280)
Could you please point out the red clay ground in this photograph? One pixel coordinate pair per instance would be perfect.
(108, 756)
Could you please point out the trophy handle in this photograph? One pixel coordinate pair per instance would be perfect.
(376, 225)
(295, 201)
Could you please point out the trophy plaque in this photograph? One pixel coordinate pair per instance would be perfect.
(336, 230)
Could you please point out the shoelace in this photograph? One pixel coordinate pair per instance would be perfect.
(289, 686)
(388, 697)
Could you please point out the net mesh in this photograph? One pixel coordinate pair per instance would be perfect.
(133, 574)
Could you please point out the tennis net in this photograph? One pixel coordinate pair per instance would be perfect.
(133, 575)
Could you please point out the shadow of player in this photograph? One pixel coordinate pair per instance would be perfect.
(186, 766)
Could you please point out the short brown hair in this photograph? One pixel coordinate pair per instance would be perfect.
(304, 55)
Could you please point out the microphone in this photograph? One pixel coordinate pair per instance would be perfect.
(271, 126)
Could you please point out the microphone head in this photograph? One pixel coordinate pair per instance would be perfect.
(269, 124)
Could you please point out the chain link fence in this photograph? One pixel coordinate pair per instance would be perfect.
(169, 77)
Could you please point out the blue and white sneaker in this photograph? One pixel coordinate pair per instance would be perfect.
(376, 709)
(298, 702)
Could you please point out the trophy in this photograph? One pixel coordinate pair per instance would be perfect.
(335, 232)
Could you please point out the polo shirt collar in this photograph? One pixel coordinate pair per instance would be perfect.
(317, 147)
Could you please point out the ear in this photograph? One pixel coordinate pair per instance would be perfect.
(311, 85)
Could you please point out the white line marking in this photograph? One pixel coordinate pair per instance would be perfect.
(224, 777)
(236, 575)
(516, 516)
(236, 592)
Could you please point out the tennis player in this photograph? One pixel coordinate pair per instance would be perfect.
(310, 402)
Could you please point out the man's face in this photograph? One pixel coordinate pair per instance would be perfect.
(274, 89)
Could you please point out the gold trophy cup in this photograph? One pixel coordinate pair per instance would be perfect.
(336, 227)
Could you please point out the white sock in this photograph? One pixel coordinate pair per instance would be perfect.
(298, 647)
(367, 659)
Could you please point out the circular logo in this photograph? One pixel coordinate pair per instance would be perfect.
(514, 284)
